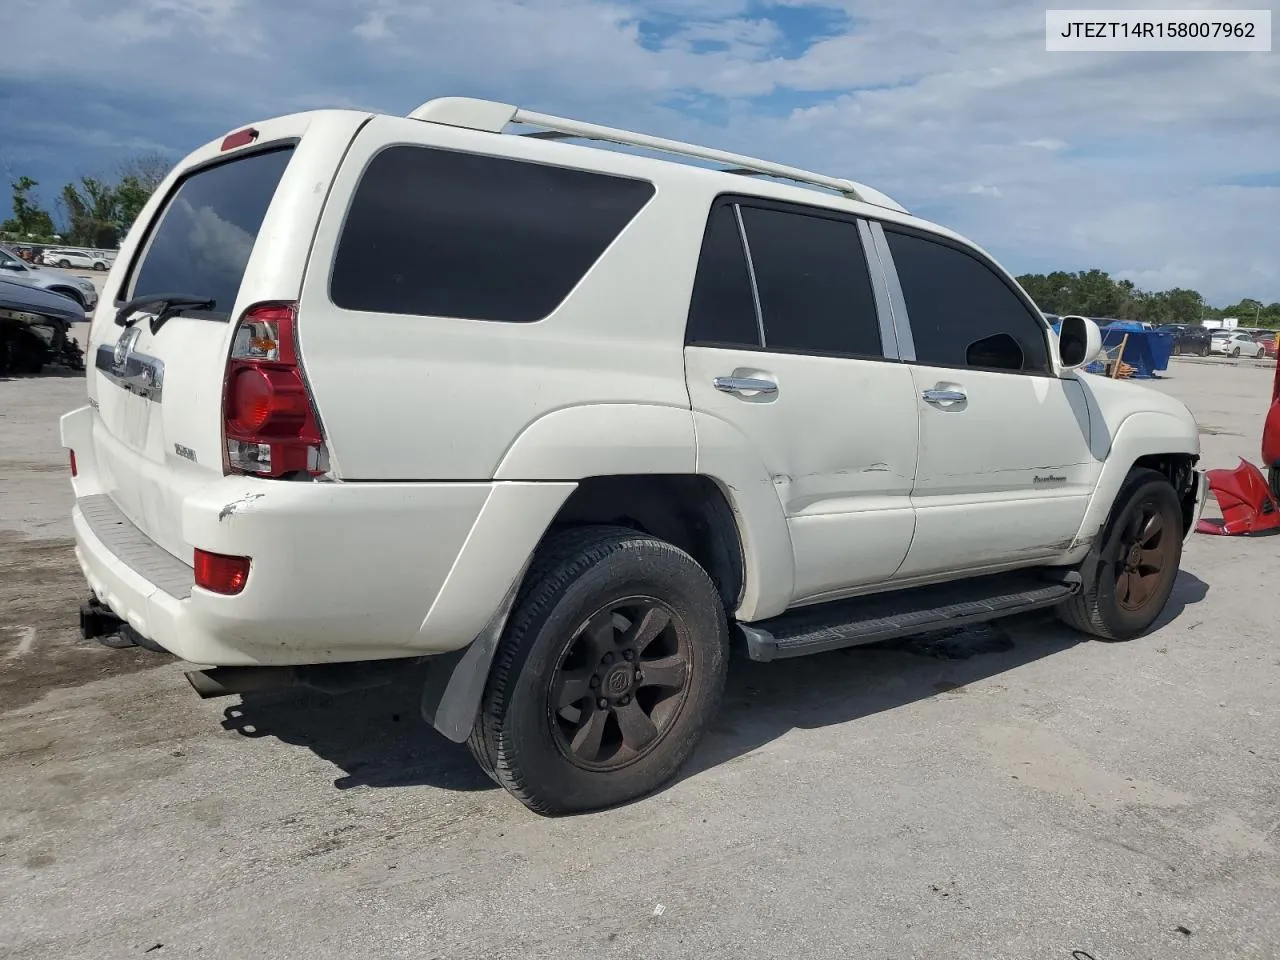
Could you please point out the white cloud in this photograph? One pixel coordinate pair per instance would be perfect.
(1049, 160)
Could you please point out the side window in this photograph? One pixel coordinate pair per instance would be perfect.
(440, 233)
(722, 311)
(962, 313)
(813, 283)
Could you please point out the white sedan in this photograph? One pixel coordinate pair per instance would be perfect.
(76, 258)
(1234, 344)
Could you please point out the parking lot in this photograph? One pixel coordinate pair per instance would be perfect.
(1010, 792)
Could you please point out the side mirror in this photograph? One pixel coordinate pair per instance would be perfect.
(1079, 342)
(13, 265)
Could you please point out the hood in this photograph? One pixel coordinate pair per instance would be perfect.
(28, 299)
(47, 275)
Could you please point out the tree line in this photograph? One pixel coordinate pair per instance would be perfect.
(98, 211)
(95, 211)
(1094, 293)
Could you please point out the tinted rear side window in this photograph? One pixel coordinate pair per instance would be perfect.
(201, 242)
(814, 286)
(962, 313)
(439, 233)
(722, 311)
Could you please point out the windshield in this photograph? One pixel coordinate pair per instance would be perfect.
(201, 242)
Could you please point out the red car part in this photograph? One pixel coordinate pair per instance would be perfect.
(1250, 502)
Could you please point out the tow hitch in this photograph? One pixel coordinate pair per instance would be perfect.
(97, 622)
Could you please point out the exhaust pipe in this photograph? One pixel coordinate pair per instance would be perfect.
(225, 681)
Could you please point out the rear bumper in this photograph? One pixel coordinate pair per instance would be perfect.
(339, 571)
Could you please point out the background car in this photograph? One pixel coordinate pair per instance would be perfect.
(79, 289)
(75, 258)
(34, 328)
(1267, 339)
(1233, 343)
(1188, 338)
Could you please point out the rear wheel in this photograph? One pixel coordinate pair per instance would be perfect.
(1235, 354)
(1177, 349)
(1273, 476)
(99, 266)
(69, 292)
(1130, 575)
(64, 264)
(610, 670)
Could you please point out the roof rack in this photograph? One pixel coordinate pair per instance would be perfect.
(493, 117)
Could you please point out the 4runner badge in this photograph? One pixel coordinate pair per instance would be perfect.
(184, 452)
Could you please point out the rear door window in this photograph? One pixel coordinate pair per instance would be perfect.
(813, 282)
(440, 233)
(722, 310)
(200, 243)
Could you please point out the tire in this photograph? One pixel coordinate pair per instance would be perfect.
(1177, 349)
(64, 264)
(1273, 479)
(99, 266)
(1204, 351)
(70, 292)
(1098, 609)
(1235, 354)
(649, 603)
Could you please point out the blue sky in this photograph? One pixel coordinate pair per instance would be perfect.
(1161, 168)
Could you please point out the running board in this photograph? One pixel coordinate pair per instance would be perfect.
(886, 616)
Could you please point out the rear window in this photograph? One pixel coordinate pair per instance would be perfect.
(201, 241)
(439, 233)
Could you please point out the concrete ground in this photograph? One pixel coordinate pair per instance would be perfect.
(1016, 792)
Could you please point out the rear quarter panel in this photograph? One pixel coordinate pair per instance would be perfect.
(584, 391)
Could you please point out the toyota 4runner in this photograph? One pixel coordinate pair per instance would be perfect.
(564, 423)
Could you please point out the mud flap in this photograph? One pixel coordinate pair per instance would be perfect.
(1245, 499)
(456, 681)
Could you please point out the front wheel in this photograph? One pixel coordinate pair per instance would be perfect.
(1130, 573)
(611, 668)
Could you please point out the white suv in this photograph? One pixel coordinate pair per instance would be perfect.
(566, 421)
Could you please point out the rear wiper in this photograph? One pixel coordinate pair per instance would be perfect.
(167, 305)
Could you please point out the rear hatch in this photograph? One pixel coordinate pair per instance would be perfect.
(230, 227)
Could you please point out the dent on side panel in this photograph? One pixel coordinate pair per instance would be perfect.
(728, 457)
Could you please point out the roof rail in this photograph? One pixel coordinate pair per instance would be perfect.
(493, 117)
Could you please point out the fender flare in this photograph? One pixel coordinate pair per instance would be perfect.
(574, 443)
(1141, 434)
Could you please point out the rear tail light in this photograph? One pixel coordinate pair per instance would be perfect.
(219, 573)
(269, 425)
(73, 463)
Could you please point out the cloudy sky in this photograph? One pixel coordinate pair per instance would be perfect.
(1160, 167)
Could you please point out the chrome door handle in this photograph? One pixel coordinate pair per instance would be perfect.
(944, 396)
(744, 385)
